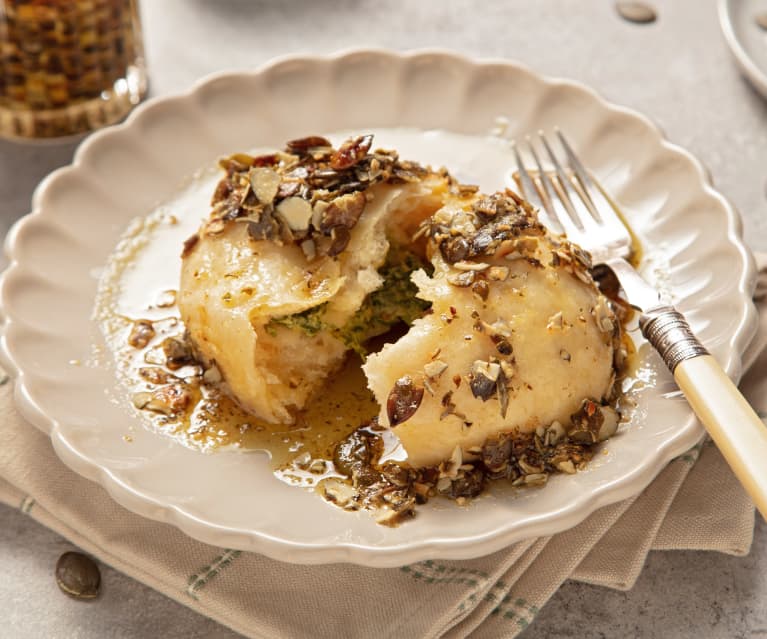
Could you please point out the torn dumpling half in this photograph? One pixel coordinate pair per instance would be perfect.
(306, 255)
(518, 337)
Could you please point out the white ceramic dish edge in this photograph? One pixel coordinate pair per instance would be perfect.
(390, 556)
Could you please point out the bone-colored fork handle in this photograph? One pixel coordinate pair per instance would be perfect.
(733, 425)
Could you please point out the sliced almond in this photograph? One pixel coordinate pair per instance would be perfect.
(265, 183)
(317, 212)
(434, 369)
(309, 248)
(498, 273)
(470, 266)
(555, 321)
(296, 211)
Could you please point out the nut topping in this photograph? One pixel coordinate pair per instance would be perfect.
(168, 400)
(481, 289)
(498, 273)
(434, 368)
(462, 278)
(470, 266)
(304, 145)
(189, 244)
(351, 152)
(177, 353)
(455, 249)
(141, 333)
(265, 183)
(483, 379)
(502, 344)
(344, 211)
(156, 375)
(555, 321)
(403, 401)
(264, 228)
(340, 236)
(268, 192)
(296, 212)
(593, 422)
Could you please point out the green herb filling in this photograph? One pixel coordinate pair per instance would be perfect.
(393, 303)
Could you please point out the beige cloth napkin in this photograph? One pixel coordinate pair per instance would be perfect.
(694, 503)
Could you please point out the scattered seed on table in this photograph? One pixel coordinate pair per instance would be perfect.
(78, 575)
(636, 12)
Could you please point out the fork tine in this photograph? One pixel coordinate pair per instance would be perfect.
(527, 182)
(572, 199)
(600, 207)
(566, 196)
(582, 175)
(534, 195)
(555, 219)
(562, 197)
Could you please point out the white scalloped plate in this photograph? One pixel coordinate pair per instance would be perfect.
(233, 500)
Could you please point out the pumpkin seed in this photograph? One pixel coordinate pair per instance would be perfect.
(484, 378)
(303, 145)
(351, 152)
(404, 400)
(78, 575)
(636, 12)
(344, 211)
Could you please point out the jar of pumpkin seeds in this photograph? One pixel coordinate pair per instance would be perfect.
(68, 66)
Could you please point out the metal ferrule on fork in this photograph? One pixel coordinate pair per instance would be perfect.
(668, 331)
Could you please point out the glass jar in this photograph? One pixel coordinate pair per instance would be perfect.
(68, 66)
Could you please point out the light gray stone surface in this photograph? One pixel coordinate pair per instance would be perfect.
(677, 71)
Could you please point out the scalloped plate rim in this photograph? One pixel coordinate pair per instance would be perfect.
(300, 552)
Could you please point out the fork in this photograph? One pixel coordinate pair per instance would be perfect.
(571, 201)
